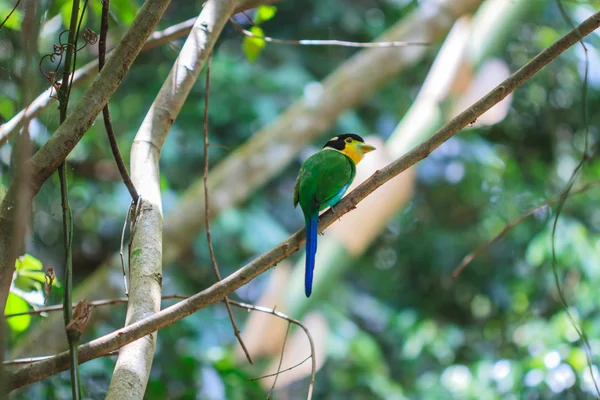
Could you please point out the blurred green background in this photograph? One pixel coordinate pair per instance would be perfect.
(400, 326)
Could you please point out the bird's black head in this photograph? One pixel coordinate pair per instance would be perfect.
(339, 142)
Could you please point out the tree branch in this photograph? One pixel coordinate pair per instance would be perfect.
(132, 369)
(43, 101)
(54, 152)
(215, 293)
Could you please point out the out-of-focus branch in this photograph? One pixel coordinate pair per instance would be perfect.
(211, 250)
(215, 293)
(326, 42)
(132, 369)
(54, 152)
(44, 100)
(22, 152)
(483, 248)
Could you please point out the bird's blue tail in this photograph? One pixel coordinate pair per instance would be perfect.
(312, 223)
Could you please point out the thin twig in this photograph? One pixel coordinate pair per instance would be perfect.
(287, 331)
(30, 360)
(10, 13)
(483, 248)
(213, 259)
(282, 371)
(563, 198)
(327, 42)
(97, 303)
(293, 321)
(114, 147)
(242, 276)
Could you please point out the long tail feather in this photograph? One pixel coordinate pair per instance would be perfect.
(311, 250)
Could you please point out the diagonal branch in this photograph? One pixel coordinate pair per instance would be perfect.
(219, 290)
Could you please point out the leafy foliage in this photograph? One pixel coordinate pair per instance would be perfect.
(400, 327)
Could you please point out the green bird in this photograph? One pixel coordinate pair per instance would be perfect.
(322, 182)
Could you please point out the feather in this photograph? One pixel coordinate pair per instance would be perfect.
(312, 222)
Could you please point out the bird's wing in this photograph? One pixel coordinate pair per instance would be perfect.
(323, 177)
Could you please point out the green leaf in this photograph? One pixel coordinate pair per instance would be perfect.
(15, 305)
(28, 262)
(26, 284)
(265, 13)
(7, 107)
(39, 276)
(15, 20)
(253, 46)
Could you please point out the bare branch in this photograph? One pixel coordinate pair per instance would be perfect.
(219, 290)
(211, 250)
(308, 335)
(282, 371)
(508, 227)
(328, 42)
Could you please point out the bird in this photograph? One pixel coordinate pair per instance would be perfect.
(322, 181)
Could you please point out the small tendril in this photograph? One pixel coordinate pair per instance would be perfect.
(56, 57)
(90, 36)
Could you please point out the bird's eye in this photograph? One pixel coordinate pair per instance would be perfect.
(349, 140)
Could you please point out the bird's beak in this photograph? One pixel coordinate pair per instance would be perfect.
(366, 148)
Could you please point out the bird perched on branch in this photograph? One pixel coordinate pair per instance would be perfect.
(322, 182)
